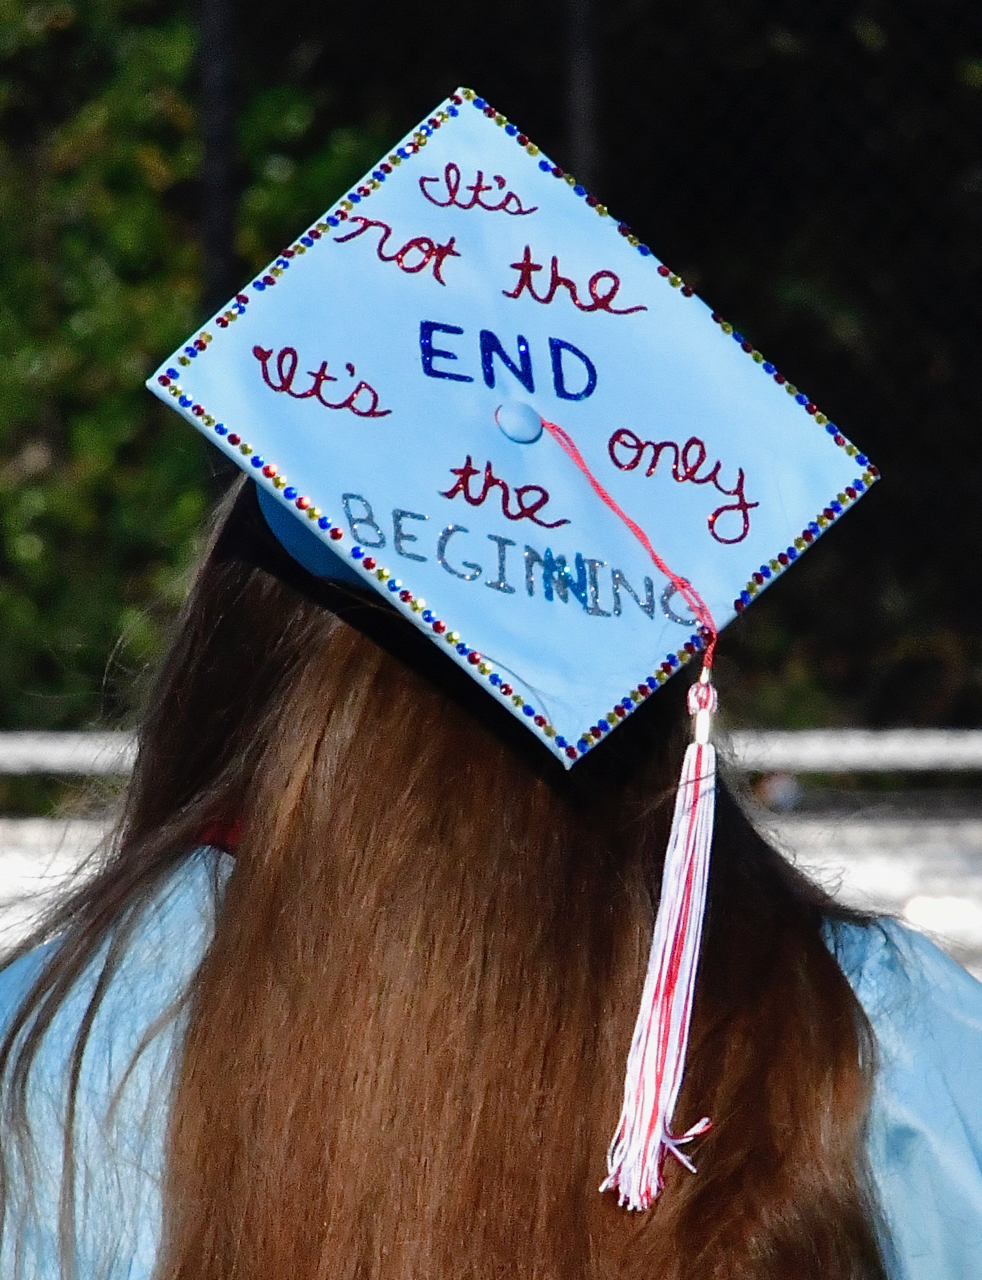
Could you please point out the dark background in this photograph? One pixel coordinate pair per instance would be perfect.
(815, 172)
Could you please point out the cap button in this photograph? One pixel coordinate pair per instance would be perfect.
(519, 422)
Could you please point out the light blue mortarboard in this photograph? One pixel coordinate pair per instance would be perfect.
(385, 382)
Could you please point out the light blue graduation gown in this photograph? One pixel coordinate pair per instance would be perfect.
(925, 1132)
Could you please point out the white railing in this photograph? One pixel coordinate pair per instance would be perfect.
(763, 751)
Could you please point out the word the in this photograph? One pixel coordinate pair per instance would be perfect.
(286, 370)
(510, 204)
(582, 582)
(603, 287)
(427, 249)
(688, 459)
(527, 510)
(490, 346)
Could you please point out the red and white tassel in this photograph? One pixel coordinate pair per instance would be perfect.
(656, 1061)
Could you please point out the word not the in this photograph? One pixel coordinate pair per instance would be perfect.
(527, 510)
(603, 287)
(286, 371)
(582, 582)
(427, 249)
(688, 459)
(451, 179)
(490, 347)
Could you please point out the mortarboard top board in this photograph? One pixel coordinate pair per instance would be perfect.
(470, 388)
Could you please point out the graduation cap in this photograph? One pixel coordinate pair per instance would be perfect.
(470, 388)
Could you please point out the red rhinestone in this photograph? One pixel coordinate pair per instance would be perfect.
(269, 471)
(490, 112)
(592, 201)
(811, 408)
(164, 381)
(686, 291)
(559, 173)
(234, 439)
(540, 721)
(523, 140)
(758, 578)
(782, 558)
(624, 229)
(369, 563)
(473, 657)
(874, 471)
(828, 513)
(336, 534)
(341, 215)
(780, 379)
(747, 346)
(386, 168)
(221, 322)
(807, 535)
(619, 711)
(667, 668)
(738, 605)
(364, 191)
(663, 270)
(717, 317)
(405, 596)
(457, 100)
(243, 298)
(506, 689)
(198, 411)
(200, 345)
(840, 441)
(288, 253)
(643, 690)
(571, 752)
(269, 280)
(314, 233)
(689, 647)
(850, 493)
(439, 627)
(434, 122)
(303, 503)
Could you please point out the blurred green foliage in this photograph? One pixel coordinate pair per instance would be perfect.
(102, 490)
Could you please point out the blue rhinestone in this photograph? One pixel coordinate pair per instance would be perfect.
(333, 222)
(393, 585)
(814, 528)
(831, 428)
(601, 728)
(453, 111)
(792, 553)
(479, 103)
(220, 429)
(323, 523)
(356, 553)
(425, 130)
(511, 130)
(737, 337)
(527, 710)
(190, 351)
(746, 597)
(583, 745)
(859, 486)
(256, 460)
(239, 308)
(428, 615)
(836, 507)
(561, 742)
(545, 166)
(644, 251)
(283, 263)
(765, 571)
(290, 493)
(185, 401)
(696, 641)
(307, 241)
(672, 660)
(172, 373)
(651, 682)
(462, 650)
(354, 197)
(403, 153)
(494, 678)
(768, 367)
(258, 284)
(579, 191)
(801, 398)
(861, 458)
(627, 704)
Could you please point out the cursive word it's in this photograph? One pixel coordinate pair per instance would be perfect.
(448, 195)
(603, 287)
(529, 498)
(628, 450)
(414, 256)
(362, 400)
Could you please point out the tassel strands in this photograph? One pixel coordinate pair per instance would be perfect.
(656, 1061)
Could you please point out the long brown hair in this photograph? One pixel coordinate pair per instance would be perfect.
(405, 1044)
